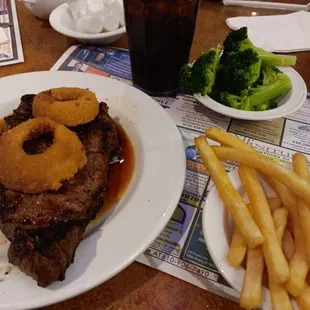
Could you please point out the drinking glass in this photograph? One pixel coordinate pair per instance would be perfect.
(160, 35)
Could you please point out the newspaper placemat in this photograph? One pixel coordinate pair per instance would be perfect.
(180, 249)
(11, 51)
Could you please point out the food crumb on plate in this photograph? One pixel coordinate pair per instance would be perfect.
(5, 272)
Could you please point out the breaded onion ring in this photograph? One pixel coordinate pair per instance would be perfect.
(39, 172)
(3, 126)
(66, 105)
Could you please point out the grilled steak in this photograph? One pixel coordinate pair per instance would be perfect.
(45, 229)
(22, 113)
(46, 263)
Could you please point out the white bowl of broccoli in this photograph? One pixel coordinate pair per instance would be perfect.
(244, 81)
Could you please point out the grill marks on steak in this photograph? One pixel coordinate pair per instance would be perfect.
(45, 229)
(45, 264)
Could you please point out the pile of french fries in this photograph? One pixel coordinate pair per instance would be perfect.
(269, 232)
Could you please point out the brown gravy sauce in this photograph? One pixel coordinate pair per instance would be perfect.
(120, 174)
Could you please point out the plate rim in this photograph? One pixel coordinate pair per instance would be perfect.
(146, 240)
(256, 115)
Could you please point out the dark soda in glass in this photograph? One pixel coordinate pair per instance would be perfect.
(160, 34)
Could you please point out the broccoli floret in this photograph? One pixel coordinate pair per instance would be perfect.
(186, 79)
(238, 40)
(238, 72)
(273, 83)
(268, 105)
(234, 101)
(204, 71)
(268, 74)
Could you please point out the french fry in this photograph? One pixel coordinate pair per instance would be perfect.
(300, 165)
(303, 299)
(300, 187)
(287, 197)
(299, 262)
(231, 198)
(274, 203)
(237, 250)
(227, 139)
(279, 297)
(275, 260)
(222, 136)
(251, 293)
(279, 216)
(288, 245)
(230, 141)
(290, 199)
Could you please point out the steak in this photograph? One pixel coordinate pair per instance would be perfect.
(45, 229)
(45, 263)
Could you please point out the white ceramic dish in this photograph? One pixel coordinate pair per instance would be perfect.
(42, 8)
(143, 211)
(291, 102)
(217, 229)
(61, 19)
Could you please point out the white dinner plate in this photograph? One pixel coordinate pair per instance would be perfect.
(140, 215)
(217, 229)
(288, 104)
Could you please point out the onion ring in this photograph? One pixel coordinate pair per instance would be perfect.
(3, 126)
(39, 172)
(69, 106)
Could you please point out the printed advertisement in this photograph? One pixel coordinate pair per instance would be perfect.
(267, 131)
(10, 43)
(180, 249)
(196, 174)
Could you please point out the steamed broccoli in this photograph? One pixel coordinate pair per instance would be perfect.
(238, 72)
(263, 96)
(246, 102)
(201, 77)
(268, 74)
(237, 102)
(186, 79)
(238, 41)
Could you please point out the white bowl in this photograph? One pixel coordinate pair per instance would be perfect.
(288, 104)
(62, 21)
(217, 230)
(42, 8)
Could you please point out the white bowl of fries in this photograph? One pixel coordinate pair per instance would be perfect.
(258, 216)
